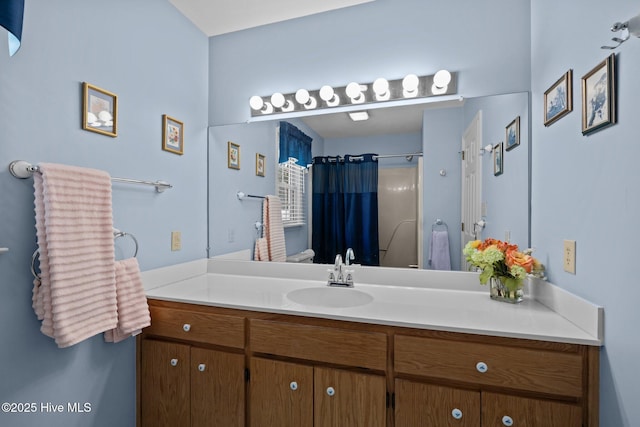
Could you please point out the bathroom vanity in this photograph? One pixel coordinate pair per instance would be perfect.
(237, 344)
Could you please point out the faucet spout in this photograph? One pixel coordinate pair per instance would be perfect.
(340, 275)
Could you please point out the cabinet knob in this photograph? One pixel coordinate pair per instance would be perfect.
(174, 362)
(482, 367)
(202, 367)
(330, 391)
(293, 386)
(507, 421)
(456, 413)
(186, 327)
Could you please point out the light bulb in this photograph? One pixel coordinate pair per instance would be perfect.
(381, 89)
(326, 93)
(410, 86)
(303, 98)
(442, 79)
(354, 91)
(277, 99)
(256, 102)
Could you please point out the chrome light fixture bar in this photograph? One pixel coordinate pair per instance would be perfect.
(381, 90)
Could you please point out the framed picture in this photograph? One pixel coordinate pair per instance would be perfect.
(558, 99)
(598, 96)
(99, 110)
(172, 135)
(233, 155)
(498, 159)
(513, 134)
(260, 166)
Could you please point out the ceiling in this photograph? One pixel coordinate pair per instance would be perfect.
(216, 17)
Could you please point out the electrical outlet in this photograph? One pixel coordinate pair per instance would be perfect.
(569, 256)
(176, 240)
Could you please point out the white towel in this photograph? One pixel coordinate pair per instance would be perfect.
(133, 310)
(439, 256)
(273, 229)
(75, 296)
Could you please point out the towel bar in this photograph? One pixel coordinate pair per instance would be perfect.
(21, 169)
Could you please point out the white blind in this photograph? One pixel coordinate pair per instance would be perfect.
(291, 192)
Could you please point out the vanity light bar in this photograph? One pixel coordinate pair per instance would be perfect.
(411, 86)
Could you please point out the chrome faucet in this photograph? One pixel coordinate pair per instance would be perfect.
(341, 275)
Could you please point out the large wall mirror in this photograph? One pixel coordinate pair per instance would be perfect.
(419, 196)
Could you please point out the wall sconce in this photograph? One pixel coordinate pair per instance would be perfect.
(628, 28)
(381, 90)
(486, 149)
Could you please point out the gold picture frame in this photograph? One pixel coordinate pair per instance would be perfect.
(99, 110)
(260, 164)
(172, 135)
(233, 155)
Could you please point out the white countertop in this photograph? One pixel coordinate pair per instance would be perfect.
(449, 301)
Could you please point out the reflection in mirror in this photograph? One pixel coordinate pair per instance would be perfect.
(432, 184)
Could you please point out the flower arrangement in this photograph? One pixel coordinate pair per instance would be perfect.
(503, 261)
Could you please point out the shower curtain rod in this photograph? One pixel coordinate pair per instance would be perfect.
(408, 156)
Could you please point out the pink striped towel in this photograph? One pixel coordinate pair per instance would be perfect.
(133, 310)
(273, 229)
(76, 295)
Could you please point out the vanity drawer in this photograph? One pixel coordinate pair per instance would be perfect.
(496, 365)
(319, 343)
(218, 329)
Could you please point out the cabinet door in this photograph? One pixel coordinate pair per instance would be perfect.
(217, 388)
(164, 375)
(280, 394)
(499, 410)
(349, 399)
(420, 404)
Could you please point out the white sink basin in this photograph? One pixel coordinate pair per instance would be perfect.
(328, 296)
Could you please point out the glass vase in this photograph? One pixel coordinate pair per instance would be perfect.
(500, 292)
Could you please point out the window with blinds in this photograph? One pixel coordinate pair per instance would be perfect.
(291, 192)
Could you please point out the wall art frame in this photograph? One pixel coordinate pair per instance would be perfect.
(233, 155)
(99, 110)
(599, 96)
(260, 164)
(558, 99)
(172, 135)
(498, 159)
(512, 134)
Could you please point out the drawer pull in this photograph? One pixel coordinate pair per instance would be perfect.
(293, 386)
(202, 367)
(174, 362)
(482, 367)
(456, 413)
(186, 327)
(330, 391)
(507, 421)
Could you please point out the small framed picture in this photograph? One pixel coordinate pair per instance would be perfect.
(172, 135)
(260, 166)
(498, 159)
(233, 155)
(99, 110)
(558, 99)
(598, 96)
(513, 134)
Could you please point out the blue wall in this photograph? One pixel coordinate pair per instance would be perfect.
(585, 188)
(136, 50)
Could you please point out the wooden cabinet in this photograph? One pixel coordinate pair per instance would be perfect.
(421, 404)
(190, 386)
(554, 373)
(311, 372)
(286, 394)
(184, 384)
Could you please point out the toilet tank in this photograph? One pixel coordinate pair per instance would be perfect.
(304, 256)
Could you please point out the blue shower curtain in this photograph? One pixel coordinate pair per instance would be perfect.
(345, 208)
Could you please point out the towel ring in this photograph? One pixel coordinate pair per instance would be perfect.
(35, 256)
(117, 233)
(437, 223)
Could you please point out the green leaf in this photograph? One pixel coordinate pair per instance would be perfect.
(485, 275)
